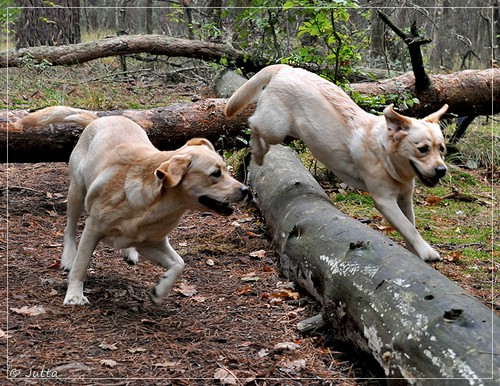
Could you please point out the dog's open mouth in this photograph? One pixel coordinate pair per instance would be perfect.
(427, 181)
(217, 206)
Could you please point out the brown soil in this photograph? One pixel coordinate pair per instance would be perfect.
(231, 314)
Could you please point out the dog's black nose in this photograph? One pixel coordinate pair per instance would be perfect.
(440, 171)
(245, 190)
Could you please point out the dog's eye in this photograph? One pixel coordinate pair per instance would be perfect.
(216, 174)
(442, 149)
(423, 149)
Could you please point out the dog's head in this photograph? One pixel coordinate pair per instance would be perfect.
(418, 144)
(201, 179)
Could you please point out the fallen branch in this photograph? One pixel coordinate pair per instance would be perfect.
(71, 54)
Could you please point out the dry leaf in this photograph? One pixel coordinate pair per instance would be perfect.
(29, 311)
(108, 363)
(286, 294)
(263, 353)
(292, 365)
(250, 277)
(260, 254)
(433, 200)
(4, 335)
(186, 289)
(244, 291)
(106, 346)
(225, 377)
(199, 299)
(136, 350)
(286, 346)
(454, 256)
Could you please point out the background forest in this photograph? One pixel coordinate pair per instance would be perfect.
(336, 36)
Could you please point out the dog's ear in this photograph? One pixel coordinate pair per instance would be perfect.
(171, 172)
(395, 121)
(435, 117)
(200, 142)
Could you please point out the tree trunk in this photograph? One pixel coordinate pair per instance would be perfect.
(42, 25)
(376, 295)
(132, 44)
(168, 128)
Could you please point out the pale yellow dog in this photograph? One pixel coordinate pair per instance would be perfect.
(378, 154)
(135, 195)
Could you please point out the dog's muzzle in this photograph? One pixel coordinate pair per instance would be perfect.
(439, 172)
(223, 207)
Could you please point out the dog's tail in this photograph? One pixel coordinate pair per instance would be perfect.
(56, 114)
(251, 89)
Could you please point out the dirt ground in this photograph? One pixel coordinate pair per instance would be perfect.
(230, 320)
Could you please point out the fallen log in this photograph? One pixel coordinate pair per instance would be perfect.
(375, 294)
(469, 92)
(167, 127)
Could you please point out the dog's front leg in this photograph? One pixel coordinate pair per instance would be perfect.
(389, 208)
(405, 203)
(88, 242)
(164, 255)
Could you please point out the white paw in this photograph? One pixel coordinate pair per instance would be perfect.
(75, 300)
(131, 256)
(430, 255)
(155, 299)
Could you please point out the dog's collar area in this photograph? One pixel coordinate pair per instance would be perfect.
(217, 206)
(430, 182)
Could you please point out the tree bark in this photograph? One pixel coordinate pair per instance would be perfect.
(375, 294)
(168, 128)
(132, 44)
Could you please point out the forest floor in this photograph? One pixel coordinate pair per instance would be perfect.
(231, 319)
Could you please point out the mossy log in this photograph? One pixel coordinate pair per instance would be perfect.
(415, 322)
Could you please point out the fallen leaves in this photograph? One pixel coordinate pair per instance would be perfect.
(453, 256)
(106, 346)
(108, 363)
(225, 377)
(186, 290)
(29, 311)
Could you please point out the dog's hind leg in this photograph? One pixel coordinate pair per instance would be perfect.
(76, 196)
(164, 255)
(259, 147)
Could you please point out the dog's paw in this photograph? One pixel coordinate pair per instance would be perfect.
(155, 298)
(430, 255)
(75, 300)
(131, 256)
